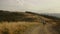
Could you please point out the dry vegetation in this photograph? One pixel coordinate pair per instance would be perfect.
(16, 22)
(20, 22)
(15, 28)
(17, 16)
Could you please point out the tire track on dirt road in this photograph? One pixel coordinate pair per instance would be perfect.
(40, 29)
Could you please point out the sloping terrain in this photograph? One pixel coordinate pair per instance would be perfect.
(16, 16)
(28, 23)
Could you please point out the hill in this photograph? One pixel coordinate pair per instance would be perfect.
(17, 16)
(28, 22)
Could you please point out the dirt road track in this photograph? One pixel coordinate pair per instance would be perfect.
(41, 29)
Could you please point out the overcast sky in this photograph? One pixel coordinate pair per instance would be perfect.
(45, 6)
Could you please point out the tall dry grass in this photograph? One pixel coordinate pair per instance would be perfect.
(15, 27)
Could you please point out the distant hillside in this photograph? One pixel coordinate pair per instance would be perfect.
(50, 17)
(23, 16)
(50, 24)
(16, 16)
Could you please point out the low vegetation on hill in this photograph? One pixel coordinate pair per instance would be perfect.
(15, 16)
(16, 22)
(25, 21)
(50, 17)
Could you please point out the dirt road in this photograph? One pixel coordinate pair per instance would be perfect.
(41, 29)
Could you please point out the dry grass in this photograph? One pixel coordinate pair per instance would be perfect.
(15, 27)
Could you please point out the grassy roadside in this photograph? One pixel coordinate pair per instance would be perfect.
(15, 28)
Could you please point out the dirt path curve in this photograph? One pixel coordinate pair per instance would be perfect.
(41, 29)
(35, 30)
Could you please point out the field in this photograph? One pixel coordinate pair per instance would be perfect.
(28, 23)
(16, 27)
